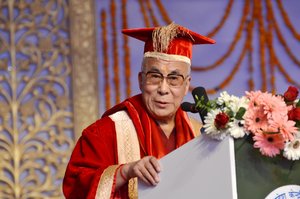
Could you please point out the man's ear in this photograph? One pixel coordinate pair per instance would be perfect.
(188, 82)
(140, 77)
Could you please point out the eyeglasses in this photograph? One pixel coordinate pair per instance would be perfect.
(173, 80)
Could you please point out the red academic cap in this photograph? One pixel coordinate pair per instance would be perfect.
(171, 42)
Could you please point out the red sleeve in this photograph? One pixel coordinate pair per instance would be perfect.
(95, 150)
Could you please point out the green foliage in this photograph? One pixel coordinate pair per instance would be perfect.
(212, 104)
(298, 103)
(201, 104)
(298, 124)
(239, 115)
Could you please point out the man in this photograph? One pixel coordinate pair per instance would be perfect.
(126, 143)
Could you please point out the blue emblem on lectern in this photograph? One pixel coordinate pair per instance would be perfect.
(281, 196)
(285, 192)
(294, 194)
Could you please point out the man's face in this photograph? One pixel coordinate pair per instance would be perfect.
(163, 85)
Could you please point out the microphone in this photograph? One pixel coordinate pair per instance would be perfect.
(189, 107)
(200, 92)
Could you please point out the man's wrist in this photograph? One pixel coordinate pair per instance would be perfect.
(122, 174)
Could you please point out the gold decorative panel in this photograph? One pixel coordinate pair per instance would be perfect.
(47, 94)
(85, 75)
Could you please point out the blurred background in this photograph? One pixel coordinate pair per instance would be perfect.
(63, 63)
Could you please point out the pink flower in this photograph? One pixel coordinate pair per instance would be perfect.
(254, 98)
(255, 119)
(284, 126)
(269, 144)
(273, 105)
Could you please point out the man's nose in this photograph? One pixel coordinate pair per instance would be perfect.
(163, 86)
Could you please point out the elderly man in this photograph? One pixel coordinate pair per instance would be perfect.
(126, 143)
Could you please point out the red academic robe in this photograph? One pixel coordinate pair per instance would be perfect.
(96, 150)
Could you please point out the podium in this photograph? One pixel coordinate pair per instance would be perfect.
(202, 168)
(207, 168)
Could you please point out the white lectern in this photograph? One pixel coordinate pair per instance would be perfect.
(202, 168)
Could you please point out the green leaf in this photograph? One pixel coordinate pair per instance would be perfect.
(201, 104)
(239, 115)
(298, 103)
(298, 124)
(230, 113)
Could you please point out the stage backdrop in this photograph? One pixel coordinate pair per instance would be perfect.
(63, 63)
(257, 44)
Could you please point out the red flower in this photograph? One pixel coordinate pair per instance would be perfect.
(294, 114)
(221, 120)
(291, 94)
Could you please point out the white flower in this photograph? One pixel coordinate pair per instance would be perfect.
(231, 102)
(292, 150)
(224, 98)
(243, 102)
(236, 128)
(210, 127)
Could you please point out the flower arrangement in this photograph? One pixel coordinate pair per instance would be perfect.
(273, 121)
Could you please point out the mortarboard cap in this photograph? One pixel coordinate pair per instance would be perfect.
(171, 42)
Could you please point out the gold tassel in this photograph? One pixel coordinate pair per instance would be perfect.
(162, 36)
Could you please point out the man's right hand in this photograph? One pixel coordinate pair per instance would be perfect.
(146, 169)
